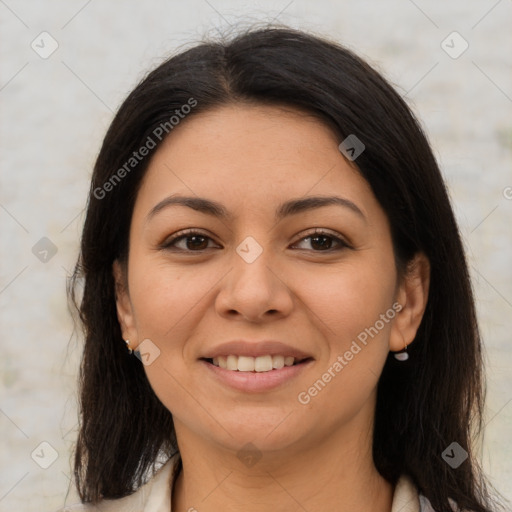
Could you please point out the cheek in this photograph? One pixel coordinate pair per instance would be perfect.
(350, 298)
(352, 307)
(166, 297)
(168, 302)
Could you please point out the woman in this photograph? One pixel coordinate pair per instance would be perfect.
(268, 230)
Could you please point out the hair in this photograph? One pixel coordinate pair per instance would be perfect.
(424, 404)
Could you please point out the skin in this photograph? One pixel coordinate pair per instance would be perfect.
(251, 159)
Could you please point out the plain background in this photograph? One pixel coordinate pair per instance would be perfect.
(55, 112)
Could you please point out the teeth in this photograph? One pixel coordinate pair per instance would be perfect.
(251, 364)
(246, 364)
(263, 363)
(288, 361)
(277, 362)
(232, 363)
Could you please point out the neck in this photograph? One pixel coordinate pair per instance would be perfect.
(313, 477)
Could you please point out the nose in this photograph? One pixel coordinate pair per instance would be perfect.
(255, 291)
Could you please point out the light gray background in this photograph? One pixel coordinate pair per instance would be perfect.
(55, 112)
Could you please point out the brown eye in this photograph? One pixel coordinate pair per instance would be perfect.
(196, 242)
(323, 241)
(191, 241)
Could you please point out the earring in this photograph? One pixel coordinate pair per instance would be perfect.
(402, 355)
(128, 346)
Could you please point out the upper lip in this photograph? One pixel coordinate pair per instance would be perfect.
(254, 349)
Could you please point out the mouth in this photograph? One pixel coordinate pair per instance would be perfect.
(255, 374)
(260, 364)
(255, 366)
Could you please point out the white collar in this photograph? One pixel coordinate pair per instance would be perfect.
(155, 495)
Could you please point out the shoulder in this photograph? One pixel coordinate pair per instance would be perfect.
(425, 505)
(154, 495)
(407, 498)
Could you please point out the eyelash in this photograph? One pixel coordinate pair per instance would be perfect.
(168, 244)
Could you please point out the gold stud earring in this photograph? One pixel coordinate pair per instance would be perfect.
(128, 346)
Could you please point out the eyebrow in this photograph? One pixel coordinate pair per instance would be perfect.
(291, 207)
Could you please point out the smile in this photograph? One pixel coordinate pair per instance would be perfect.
(264, 363)
(263, 377)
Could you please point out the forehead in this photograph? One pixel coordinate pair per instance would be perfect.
(250, 156)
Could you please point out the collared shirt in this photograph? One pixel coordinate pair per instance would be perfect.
(155, 495)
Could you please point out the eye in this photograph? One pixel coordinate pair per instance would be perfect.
(323, 240)
(194, 241)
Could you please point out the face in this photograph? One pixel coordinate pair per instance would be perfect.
(317, 277)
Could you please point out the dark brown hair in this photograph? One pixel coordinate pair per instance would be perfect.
(424, 404)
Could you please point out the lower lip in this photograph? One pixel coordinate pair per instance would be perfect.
(256, 382)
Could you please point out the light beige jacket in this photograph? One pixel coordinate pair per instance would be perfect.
(155, 496)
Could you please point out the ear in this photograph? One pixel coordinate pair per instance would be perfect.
(124, 306)
(412, 296)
